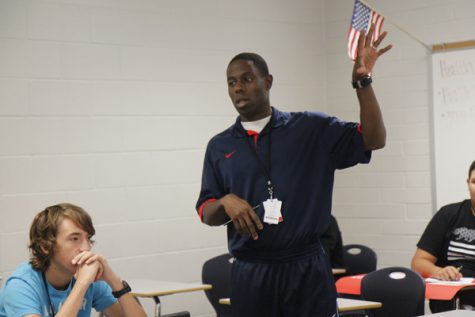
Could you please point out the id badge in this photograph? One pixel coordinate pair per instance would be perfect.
(272, 213)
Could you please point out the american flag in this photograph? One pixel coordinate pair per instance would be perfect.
(361, 21)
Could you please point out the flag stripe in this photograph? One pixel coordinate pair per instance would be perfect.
(360, 22)
(352, 44)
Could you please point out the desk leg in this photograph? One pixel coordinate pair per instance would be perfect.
(158, 307)
(456, 302)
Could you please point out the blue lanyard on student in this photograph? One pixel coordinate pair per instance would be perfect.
(265, 171)
(47, 294)
(51, 312)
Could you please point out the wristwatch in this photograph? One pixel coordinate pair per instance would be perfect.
(362, 82)
(126, 289)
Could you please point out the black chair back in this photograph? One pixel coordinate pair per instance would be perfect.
(359, 259)
(217, 272)
(399, 289)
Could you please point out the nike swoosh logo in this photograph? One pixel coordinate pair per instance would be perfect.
(229, 154)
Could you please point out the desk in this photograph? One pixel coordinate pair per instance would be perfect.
(347, 304)
(352, 285)
(454, 313)
(154, 289)
(344, 304)
(338, 271)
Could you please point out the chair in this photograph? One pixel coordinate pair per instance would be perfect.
(359, 259)
(399, 289)
(217, 272)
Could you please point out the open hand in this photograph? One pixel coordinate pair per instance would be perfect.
(368, 53)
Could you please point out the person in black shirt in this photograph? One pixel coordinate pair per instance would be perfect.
(446, 248)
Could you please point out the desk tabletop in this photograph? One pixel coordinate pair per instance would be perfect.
(454, 313)
(347, 304)
(344, 304)
(338, 271)
(225, 301)
(349, 284)
(153, 288)
(445, 292)
(352, 285)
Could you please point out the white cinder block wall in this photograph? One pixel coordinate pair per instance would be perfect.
(109, 104)
(388, 203)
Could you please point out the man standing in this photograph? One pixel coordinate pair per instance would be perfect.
(271, 174)
(64, 277)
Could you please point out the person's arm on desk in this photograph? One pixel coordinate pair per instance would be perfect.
(127, 305)
(424, 263)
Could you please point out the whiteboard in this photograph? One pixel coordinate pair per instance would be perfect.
(453, 82)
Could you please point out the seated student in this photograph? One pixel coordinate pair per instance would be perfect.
(446, 248)
(64, 277)
(333, 243)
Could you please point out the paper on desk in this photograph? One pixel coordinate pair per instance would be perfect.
(462, 281)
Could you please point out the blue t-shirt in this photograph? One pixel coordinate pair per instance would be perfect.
(306, 149)
(24, 293)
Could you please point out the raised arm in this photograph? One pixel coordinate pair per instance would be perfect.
(373, 129)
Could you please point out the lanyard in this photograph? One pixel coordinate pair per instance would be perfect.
(47, 293)
(264, 170)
